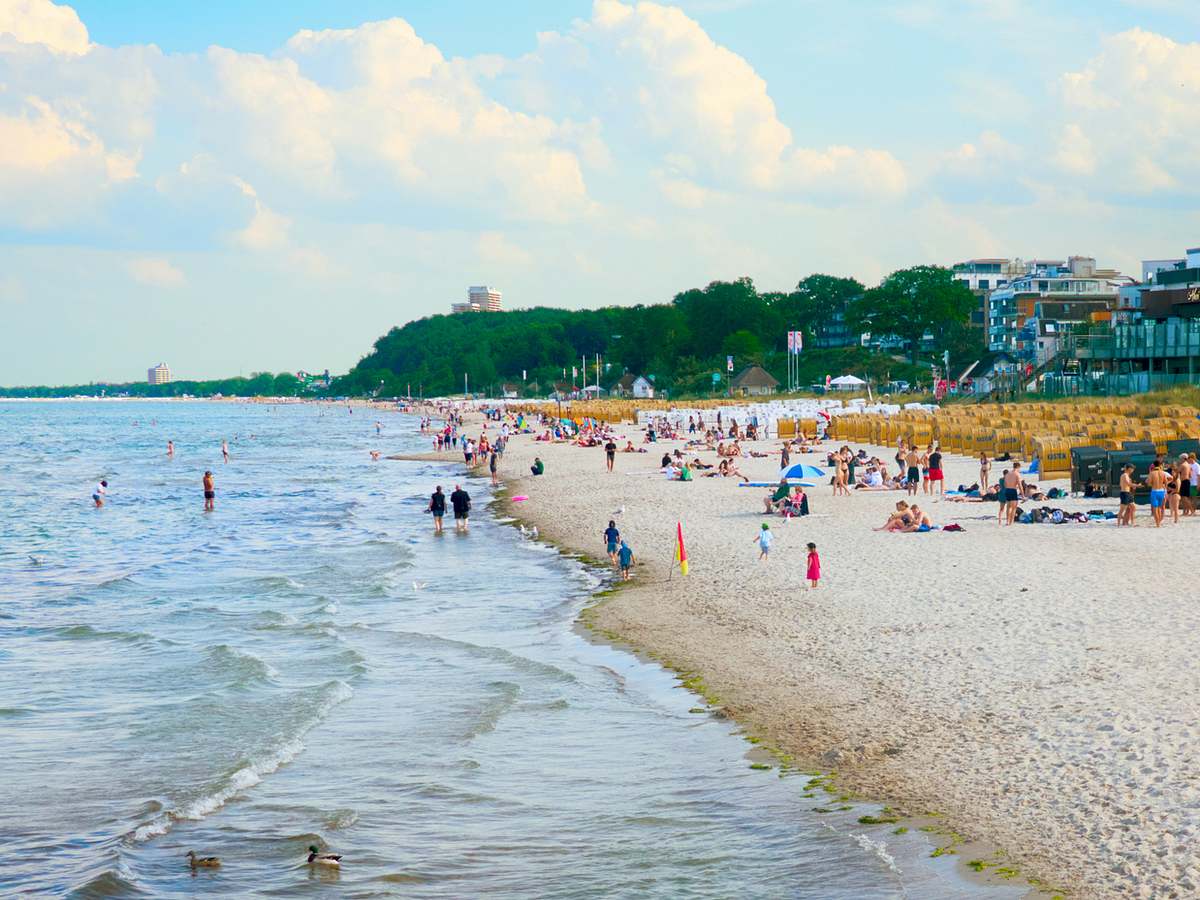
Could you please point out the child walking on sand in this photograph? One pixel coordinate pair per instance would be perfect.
(814, 565)
(625, 559)
(764, 541)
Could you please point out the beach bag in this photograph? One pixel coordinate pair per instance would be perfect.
(1054, 493)
(1025, 518)
(953, 527)
(1057, 517)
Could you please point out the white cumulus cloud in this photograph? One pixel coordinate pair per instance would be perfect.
(155, 272)
(1131, 113)
(655, 68)
(43, 22)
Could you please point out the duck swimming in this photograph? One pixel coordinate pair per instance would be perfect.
(202, 862)
(317, 858)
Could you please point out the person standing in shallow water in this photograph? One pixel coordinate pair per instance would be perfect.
(210, 491)
(461, 501)
(437, 506)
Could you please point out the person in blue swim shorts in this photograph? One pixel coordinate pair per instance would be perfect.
(1157, 482)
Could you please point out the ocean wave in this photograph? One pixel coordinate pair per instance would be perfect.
(270, 583)
(341, 818)
(250, 771)
(497, 654)
(115, 882)
(88, 633)
(503, 698)
(242, 667)
(878, 849)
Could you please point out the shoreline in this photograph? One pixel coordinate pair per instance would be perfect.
(977, 861)
(1018, 703)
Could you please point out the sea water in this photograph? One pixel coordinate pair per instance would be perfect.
(309, 663)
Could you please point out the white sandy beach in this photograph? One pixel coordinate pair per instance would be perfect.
(1036, 684)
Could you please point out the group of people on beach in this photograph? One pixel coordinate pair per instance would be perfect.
(1173, 487)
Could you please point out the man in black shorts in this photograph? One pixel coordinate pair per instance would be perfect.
(610, 450)
(461, 501)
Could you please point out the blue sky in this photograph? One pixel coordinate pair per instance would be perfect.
(273, 186)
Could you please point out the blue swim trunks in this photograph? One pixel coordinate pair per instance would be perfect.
(1158, 498)
(612, 548)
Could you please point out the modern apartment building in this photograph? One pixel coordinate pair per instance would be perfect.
(1026, 316)
(983, 276)
(160, 374)
(480, 298)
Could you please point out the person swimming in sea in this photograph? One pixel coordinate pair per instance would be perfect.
(210, 491)
(99, 493)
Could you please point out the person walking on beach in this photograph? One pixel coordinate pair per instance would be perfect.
(1127, 508)
(437, 507)
(610, 451)
(1011, 493)
(764, 539)
(1157, 482)
(785, 456)
(99, 492)
(625, 560)
(210, 491)
(985, 468)
(461, 501)
(493, 460)
(814, 566)
(612, 540)
(225, 450)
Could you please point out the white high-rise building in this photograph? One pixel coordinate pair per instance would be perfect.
(160, 374)
(487, 298)
(480, 298)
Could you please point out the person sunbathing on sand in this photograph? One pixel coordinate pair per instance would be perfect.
(629, 448)
(899, 520)
(920, 520)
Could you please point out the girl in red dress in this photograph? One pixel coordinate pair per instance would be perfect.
(814, 565)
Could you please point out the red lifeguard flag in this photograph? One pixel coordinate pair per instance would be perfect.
(680, 551)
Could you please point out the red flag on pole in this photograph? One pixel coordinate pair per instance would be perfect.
(680, 552)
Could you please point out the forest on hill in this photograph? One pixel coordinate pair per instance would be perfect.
(921, 311)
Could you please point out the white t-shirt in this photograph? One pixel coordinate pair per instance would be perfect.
(100, 490)
(1194, 473)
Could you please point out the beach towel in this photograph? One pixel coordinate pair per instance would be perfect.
(953, 527)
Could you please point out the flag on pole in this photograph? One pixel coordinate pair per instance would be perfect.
(791, 342)
(799, 341)
(680, 552)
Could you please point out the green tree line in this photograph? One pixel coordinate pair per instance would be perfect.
(262, 384)
(922, 310)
